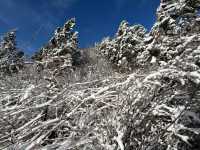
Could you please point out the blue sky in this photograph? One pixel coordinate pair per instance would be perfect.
(36, 20)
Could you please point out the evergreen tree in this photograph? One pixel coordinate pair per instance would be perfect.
(11, 58)
(62, 50)
(124, 47)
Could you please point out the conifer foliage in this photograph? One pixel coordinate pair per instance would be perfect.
(62, 50)
(123, 50)
(11, 58)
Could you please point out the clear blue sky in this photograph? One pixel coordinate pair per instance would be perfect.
(95, 18)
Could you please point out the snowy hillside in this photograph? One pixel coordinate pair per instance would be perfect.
(137, 91)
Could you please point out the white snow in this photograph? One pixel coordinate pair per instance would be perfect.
(195, 76)
(153, 60)
(27, 92)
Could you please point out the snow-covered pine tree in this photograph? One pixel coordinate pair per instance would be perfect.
(62, 50)
(11, 58)
(123, 49)
(168, 116)
(60, 57)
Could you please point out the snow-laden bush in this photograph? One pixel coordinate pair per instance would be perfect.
(158, 109)
(168, 118)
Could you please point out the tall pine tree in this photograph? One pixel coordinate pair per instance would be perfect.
(11, 58)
